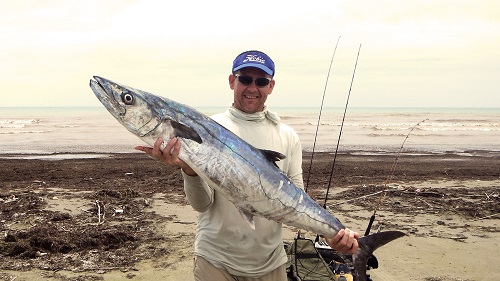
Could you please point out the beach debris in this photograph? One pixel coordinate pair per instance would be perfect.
(491, 196)
(11, 199)
(487, 217)
(430, 205)
(100, 214)
(459, 237)
(40, 254)
(361, 197)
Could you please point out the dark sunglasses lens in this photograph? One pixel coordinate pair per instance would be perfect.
(245, 80)
(261, 82)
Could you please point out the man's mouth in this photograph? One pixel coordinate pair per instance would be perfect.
(250, 97)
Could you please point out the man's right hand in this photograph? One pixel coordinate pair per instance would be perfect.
(169, 155)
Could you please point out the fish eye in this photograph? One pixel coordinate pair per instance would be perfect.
(128, 98)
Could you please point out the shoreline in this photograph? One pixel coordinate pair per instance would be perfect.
(62, 155)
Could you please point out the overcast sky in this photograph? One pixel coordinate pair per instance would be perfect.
(414, 53)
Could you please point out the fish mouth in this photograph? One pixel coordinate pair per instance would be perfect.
(102, 90)
(109, 94)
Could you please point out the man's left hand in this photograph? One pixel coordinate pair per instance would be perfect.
(345, 241)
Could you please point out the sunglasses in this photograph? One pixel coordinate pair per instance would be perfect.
(247, 80)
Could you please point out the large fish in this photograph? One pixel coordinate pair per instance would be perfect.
(245, 175)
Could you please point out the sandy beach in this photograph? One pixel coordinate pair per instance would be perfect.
(125, 217)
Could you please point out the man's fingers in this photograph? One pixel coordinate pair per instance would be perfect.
(339, 236)
(170, 146)
(345, 241)
(147, 150)
(157, 148)
(351, 244)
(176, 149)
(168, 155)
(355, 246)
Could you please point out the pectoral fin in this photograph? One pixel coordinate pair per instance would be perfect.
(186, 132)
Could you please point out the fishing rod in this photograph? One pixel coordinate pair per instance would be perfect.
(319, 117)
(389, 177)
(340, 132)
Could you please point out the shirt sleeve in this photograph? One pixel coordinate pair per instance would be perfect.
(295, 169)
(199, 195)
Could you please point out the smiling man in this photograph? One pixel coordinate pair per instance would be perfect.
(226, 246)
(251, 81)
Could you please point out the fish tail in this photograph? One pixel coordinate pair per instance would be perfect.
(367, 245)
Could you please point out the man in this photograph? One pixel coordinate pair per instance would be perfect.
(226, 248)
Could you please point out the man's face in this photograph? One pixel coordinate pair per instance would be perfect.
(250, 98)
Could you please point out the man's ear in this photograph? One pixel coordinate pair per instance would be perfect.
(271, 86)
(231, 79)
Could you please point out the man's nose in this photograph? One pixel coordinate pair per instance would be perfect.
(252, 86)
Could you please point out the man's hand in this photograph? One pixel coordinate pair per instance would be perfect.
(169, 155)
(344, 242)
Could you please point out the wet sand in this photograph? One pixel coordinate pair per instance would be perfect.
(124, 216)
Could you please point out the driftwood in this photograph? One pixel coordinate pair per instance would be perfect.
(486, 217)
(423, 193)
(100, 214)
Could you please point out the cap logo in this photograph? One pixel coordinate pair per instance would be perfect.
(254, 58)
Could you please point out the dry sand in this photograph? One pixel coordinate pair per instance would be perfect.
(447, 205)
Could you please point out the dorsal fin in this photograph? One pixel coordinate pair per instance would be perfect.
(273, 156)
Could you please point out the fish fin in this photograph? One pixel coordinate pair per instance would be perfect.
(367, 245)
(248, 218)
(273, 156)
(186, 132)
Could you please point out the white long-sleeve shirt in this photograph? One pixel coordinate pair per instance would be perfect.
(223, 237)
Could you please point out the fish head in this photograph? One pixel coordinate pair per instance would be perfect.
(133, 108)
(146, 115)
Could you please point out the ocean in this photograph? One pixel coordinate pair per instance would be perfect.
(82, 131)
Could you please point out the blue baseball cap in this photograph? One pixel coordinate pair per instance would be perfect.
(255, 59)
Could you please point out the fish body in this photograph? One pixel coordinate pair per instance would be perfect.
(247, 176)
